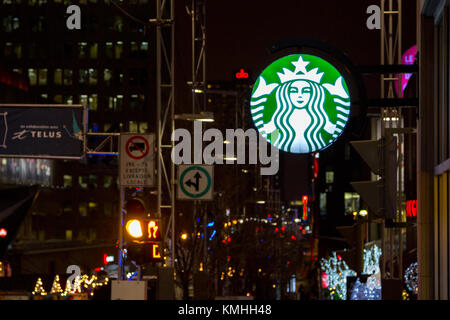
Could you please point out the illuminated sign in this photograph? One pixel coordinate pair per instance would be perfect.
(407, 58)
(305, 207)
(300, 103)
(242, 74)
(155, 252)
(3, 233)
(411, 208)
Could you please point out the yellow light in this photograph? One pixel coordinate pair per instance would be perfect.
(184, 236)
(234, 221)
(259, 270)
(274, 286)
(363, 213)
(134, 228)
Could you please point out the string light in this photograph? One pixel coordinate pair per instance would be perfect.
(411, 277)
(81, 284)
(38, 288)
(337, 272)
(56, 286)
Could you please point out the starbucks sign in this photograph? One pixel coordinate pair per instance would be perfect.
(300, 103)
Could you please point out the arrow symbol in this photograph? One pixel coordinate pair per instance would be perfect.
(195, 184)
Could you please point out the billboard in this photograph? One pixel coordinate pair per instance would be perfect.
(43, 131)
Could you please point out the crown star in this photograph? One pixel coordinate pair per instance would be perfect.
(300, 72)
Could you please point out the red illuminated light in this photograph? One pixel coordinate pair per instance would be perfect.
(242, 74)
(411, 208)
(3, 232)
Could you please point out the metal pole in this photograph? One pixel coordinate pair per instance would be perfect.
(172, 112)
(121, 209)
(158, 108)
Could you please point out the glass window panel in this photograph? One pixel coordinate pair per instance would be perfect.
(143, 127)
(67, 181)
(32, 76)
(92, 77)
(118, 50)
(82, 209)
(107, 181)
(133, 126)
(83, 182)
(93, 51)
(42, 77)
(109, 50)
(107, 76)
(84, 99)
(68, 77)
(57, 98)
(57, 77)
(93, 102)
(83, 76)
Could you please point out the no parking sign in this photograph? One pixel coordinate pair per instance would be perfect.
(137, 157)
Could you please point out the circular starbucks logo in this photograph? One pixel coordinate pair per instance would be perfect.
(300, 103)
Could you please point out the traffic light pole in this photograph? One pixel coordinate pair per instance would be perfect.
(120, 254)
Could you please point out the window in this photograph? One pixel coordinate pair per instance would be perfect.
(83, 76)
(107, 76)
(143, 49)
(115, 103)
(67, 181)
(107, 209)
(109, 50)
(82, 209)
(32, 77)
(68, 99)
(117, 24)
(92, 77)
(57, 77)
(329, 177)
(13, 50)
(10, 23)
(118, 50)
(69, 235)
(83, 182)
(93, 181)
(68, 77)
(107, 126)
(133, 77)
(137, 102)
(42, 77)
(93, 102)
(118, 77)
(57, 98)
(107, 181)
(143, 127)
(351, 202)
(93, 51)
(82, 50)
(92, 207)
(68, 50)
(134, 49)
(133, 126)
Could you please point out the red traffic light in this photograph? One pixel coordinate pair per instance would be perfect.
(3, 233)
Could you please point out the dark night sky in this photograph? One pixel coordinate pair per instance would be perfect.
(240, 31)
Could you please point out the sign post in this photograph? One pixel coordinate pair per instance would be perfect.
(136, 169)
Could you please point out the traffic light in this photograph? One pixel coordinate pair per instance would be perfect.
(142, 234)
(380, 156)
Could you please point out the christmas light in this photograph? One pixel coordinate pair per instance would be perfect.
(56, 286)
(38, 288)
(411, 277)
(337, 272)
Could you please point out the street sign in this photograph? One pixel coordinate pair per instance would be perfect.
(195, 182)
(136, 160)
(43, 131)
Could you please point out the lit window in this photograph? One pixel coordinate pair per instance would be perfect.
(92, 77)
(84, 99)
(117, 24)
(118, 50)
(133, 126)
(68, 77)
(32, 76)
(134, 50)
(67, 181)
(93, 102)
(329, 176)
(82, 209)
(109, 50)
(107, 181)
(82, 50)
(107, 76)
(57, 77)
(143, 127)
(93, 51)
(83, 182)
(42, 77)
(115, 103)
(137, 102)
(351, 202)
(84, 76)
(93, 181)
(68, 100)
(8, 52)
(69, 235)
(57, 98)
(107, 126)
